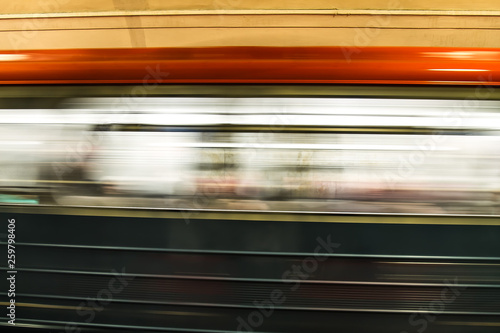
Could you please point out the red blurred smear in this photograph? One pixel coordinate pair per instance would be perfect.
(334, 65)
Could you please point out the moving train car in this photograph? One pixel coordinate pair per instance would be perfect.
(251, 189)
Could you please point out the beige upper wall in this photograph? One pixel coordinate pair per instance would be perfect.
(62, 6)
(147, 23)
(254, 30)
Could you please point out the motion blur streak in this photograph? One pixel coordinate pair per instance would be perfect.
(150, 193)
(281, 154)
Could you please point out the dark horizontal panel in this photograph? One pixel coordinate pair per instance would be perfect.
(123, 317)
(249, 267)
(31, 96)
(289, 295)
(265, 236)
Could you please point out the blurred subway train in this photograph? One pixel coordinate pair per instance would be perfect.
(252, 189)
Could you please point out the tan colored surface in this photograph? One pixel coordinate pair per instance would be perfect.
(127, 23)
(47, 6)
(172, 37)
(253, 21)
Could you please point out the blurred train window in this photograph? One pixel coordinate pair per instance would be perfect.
(324, 154)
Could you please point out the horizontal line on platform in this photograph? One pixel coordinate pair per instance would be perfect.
(244, 306)
(255, 215)
(383, 12)
(250, 27)
(333, 255)
(258, 280)
(59, 324)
